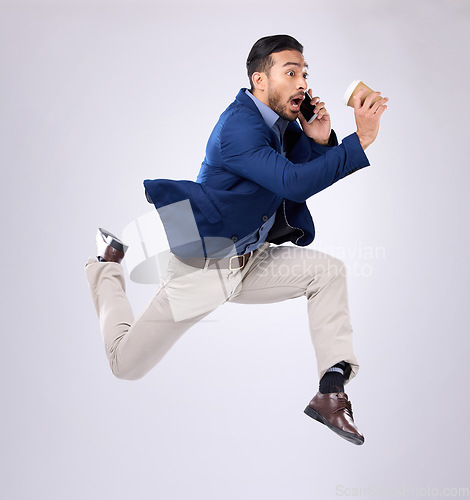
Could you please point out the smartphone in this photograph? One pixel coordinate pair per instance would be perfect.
(306, 108)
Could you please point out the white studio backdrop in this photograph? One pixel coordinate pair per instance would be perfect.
(98, 96)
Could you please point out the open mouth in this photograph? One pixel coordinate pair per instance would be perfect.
(296, 102)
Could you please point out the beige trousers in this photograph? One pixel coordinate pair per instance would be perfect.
(187, 294)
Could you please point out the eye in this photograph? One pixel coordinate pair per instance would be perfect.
(305, 75)
(291, 73)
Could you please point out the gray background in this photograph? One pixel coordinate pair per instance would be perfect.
(96, 97)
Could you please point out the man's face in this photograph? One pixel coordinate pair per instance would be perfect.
(286, 83)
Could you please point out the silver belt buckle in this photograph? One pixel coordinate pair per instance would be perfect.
(237, 257)
(236, 268)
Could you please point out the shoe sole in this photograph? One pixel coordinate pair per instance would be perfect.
(115, 241)
(352, 438)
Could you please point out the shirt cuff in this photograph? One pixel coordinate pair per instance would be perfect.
(319, 149)
(355, 153)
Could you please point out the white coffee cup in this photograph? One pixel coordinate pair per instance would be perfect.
(351, 91)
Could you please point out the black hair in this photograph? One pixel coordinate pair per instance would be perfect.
(259, 58)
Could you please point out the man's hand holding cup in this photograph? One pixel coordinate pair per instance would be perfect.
(368, 109)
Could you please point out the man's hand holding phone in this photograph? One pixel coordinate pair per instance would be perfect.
(315, 119)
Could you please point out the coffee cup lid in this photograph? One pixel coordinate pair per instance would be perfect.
(349, 91)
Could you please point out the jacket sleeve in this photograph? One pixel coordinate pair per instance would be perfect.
(246, 151)
(318, 150)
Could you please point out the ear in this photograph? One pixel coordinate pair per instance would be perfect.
(259, 80)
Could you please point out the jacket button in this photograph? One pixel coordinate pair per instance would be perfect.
(265, 218)
(234, 239)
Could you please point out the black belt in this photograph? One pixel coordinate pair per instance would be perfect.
(234, 263)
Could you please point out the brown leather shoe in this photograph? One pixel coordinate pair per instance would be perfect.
(110, 247)
(335, 411)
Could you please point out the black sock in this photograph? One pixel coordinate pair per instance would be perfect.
(333, 380)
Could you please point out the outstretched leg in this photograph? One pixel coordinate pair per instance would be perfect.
(285, 272)
(184, 297)
(133, 346)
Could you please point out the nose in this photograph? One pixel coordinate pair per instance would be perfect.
(302, 83)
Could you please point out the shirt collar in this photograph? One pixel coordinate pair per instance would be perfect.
(269, 116)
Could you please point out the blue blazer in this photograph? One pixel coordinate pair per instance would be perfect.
(244, 179)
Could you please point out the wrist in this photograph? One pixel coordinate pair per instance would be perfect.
(364, 141)
(325, 142)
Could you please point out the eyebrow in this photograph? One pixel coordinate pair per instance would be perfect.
(295, 64)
